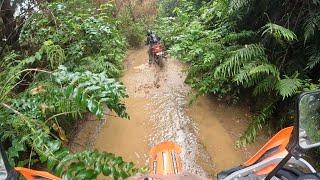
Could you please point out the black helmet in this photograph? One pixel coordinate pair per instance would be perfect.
(149, 32)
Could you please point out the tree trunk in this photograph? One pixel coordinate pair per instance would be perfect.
(9, 23)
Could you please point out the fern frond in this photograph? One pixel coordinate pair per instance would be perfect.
(55, 54)
(233, 37)
(265, 68)
(288, 86)
(279, 32)
(314, 60)
(316, 2)
(235, 5)
(249, 51)
(251, 74)
(233, 64)
(264, 86)
(243, 76)
(311, 25)
(256, 124)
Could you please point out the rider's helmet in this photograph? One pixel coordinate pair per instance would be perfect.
(149, 32)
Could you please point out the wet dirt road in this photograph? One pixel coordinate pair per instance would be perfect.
(159, 110)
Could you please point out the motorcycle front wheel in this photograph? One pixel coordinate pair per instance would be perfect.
(159, 61)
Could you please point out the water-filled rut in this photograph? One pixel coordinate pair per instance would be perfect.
(159, 110)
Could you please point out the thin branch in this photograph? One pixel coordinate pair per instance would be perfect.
(22, 79)
(12, 109)
(112, 115)
(284, 59)
(25, 70)
(54, 19)
(30, 156)
(298, 18)
(37, 70)
(60, 114)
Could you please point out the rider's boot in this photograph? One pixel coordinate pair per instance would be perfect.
(150, 59)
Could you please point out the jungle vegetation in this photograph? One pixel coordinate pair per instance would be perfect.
(61, 60)
(264, 51)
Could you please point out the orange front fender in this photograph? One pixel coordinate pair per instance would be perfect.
(30, 174)
(165, 160)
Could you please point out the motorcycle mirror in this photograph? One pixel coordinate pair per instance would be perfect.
(4, 165)
(309, 120)
(307, 127)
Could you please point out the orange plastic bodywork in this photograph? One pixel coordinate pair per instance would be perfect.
(30, 174)
(156, 48)
(279, 141)
(165, 160)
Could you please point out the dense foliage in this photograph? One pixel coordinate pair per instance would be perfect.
(267, 51)
(136, 17)
(61, 60)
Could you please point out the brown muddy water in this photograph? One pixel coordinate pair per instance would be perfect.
(159, 109)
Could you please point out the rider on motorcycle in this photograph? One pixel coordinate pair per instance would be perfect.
(152, 39)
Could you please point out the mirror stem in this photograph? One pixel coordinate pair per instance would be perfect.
(279, 166)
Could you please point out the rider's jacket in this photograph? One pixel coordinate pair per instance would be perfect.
(152, 39)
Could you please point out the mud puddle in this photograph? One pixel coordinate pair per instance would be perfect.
(159, 111)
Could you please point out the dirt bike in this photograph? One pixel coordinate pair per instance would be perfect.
(280, 158)
(158, 54)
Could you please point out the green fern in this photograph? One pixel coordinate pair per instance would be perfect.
(311, 25)
(279, 32)
(266, 85)
(265, 68)
(253, 72)
(232, 65)
(288, 86)
(243, 35)
(243, 76)
(236, 5)
(314, 60)
(55, 54)
(256, 124)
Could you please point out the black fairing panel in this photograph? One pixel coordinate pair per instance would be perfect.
(309, 177)
(224, 174)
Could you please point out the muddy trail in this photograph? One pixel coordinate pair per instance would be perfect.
(159, 110)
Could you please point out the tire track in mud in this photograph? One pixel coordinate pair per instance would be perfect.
(170, 121)
(159, 111)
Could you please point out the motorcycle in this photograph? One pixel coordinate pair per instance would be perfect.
(280, 158)
(158, 54)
